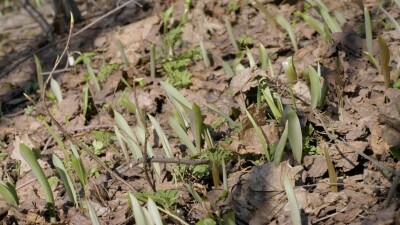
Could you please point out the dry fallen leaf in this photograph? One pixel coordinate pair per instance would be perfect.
(261, 190)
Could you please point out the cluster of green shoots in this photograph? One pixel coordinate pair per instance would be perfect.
(187, 118)
(174, 65)
(291, 136)
(187, 122)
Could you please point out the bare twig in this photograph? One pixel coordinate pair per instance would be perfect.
(26, 183)
(57, 71)
(94, 127)
(331, 215)
(342, 184)
(106, 15)
(15, 114)
(170, 161)
(172, 215)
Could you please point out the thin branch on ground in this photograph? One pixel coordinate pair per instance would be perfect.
(106, 15)
(331, 215)
(170, 161)
(342, 184)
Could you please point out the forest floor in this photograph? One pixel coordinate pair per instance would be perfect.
(224, 117)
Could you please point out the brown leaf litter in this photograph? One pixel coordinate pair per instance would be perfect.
(358, 111)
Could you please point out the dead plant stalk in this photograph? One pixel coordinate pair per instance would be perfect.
(146, 163)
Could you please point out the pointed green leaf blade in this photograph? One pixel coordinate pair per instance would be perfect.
(259, 135)
(153, 211)
(294, 207)
(315, 84)
(196, 125)
(9, 193)
(92, 213)
(286, 25)
(29, 157)
(281, 145)
(182, 135)
(162, 136)
(137, 210)
(172, 92)
(295, 136)
(55, 88)
(65, 178)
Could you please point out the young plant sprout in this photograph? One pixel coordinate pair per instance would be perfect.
(270, 18)
(281, 145)
(39, 72)
(312, 22)
(294, 133)
(55, 88)
(286, 25)
(392, 20)
(30, 158)
(153, 60)
(290, 71)
(9, 194)
(231, 35)
(332, 23)
(385, 60)
(204, 53)
(294, 206)
(316, 88)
